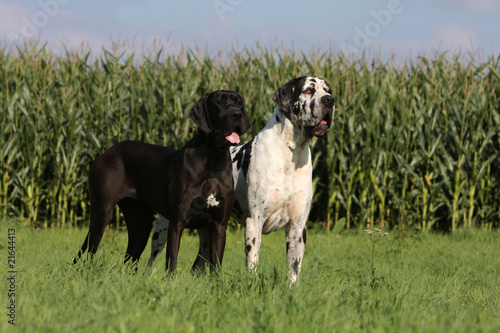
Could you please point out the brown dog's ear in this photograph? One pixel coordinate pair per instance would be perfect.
(283, 96)
(199, 114)
(245, 121)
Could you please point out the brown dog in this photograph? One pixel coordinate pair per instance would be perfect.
(192, 187)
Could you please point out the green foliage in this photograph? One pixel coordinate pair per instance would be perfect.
(414, 145)
(427, 283)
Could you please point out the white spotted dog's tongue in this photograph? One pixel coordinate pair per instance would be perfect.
(233, 138)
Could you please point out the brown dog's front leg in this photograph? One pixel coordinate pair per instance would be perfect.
(203, 256)
(217, 245)
(173, 243)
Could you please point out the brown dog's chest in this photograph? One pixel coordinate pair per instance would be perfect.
(210, 203)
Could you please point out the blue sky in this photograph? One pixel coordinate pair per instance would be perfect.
(406, 27)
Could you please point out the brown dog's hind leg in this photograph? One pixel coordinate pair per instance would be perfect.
(99, 219)
(139, 221)
(82, 250)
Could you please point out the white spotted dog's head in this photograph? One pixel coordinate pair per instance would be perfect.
(307, 101)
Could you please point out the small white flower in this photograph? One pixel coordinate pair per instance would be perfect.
(376, 235)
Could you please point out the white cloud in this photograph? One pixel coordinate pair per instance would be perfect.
(451, 37)
(478, 6)
(454, 36)
(55, 25)
(18, 22)
(11, 15)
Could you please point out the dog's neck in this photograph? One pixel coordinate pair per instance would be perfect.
(216, 159)
(283, 124)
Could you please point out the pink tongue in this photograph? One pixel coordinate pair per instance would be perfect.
(323, 122)
(233, 138)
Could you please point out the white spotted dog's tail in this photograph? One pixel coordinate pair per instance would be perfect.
(160, 235)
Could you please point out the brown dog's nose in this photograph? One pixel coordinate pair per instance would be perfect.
(236, 114)
(328, 100)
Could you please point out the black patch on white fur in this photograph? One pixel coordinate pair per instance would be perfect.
(312, 104)
(243, 156)
(295, 266)
(246, 158)
(237, 209)
(303, 107)
(328, 88)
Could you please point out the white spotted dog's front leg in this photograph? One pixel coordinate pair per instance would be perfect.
(253, 236)
(160, 235)
(295, 248)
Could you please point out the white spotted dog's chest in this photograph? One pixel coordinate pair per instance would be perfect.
(277, 187)
(285, 197)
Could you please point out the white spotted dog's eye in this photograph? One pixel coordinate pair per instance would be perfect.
(308, 91)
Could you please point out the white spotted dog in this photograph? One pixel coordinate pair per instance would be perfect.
(273, 174)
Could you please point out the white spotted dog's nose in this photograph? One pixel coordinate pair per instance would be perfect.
(328, 100)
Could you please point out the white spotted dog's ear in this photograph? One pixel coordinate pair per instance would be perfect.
(199, 114)
(284, 95)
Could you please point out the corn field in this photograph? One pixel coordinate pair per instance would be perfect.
(414, 144)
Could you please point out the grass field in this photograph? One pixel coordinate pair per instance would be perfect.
(423, 283)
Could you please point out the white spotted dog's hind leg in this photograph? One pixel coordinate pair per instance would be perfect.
(253, 237)
(295, 248)
(160, 236)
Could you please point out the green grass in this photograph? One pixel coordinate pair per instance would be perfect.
(423, 283)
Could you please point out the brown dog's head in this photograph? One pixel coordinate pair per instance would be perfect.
(221, 114)
(308, 102)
